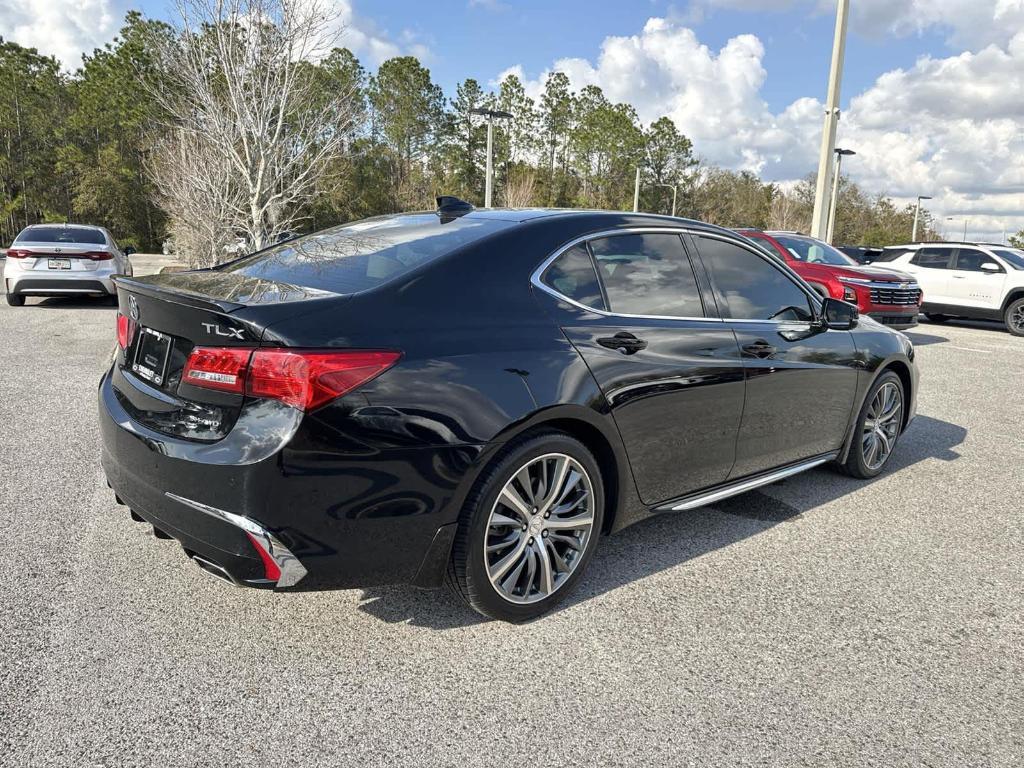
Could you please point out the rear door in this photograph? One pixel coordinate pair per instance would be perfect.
(801, 380)
(931, 265)
(970, 285)
(668, 367)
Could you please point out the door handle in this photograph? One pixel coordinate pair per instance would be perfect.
(959, 277)
(624, 342)
(759, 348)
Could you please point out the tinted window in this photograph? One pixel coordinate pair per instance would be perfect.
(647, 275)
(572, 275)
(749, 287)
(889, 254)
(1012, 255)
(82, 235)
(814, 251)
(971, 259)
(934, 258)
(360, 256)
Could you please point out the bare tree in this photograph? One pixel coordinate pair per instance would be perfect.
(242, 95)
(519, 189)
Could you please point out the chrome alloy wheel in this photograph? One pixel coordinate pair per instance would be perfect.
(539, 528)
(882, 425)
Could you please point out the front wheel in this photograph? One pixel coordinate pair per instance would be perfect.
(15, 300)
(529, 528)
(1014, 317)
(878, 428)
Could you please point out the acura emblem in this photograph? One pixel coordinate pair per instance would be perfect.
(133, 308)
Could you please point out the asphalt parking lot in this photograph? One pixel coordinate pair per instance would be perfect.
(821, 621)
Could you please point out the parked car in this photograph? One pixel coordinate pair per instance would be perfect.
(969, 280)
(474, 397)
(862, 254)
(885, 294)
(63, 260)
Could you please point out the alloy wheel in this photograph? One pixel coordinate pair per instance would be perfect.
(1017, 318)
(538, 528)
(882, 425)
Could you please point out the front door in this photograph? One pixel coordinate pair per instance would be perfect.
(671, 375)
(801, 380)
(972, 286)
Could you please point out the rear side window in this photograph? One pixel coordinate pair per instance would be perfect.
(934, 258)
(647, 274)
(572, 275)
(889, 254)
(358, 257)
(751, 288)
(61, 235)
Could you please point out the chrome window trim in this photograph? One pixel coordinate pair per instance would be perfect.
(536, 281)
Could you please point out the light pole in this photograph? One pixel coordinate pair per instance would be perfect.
(636, 191)
(675, 189)
(835, 192)
(490, 114)
(917, 212)
(819, 221)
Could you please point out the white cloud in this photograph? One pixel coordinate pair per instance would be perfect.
(371, 44)
(947, 127)
(61, 28)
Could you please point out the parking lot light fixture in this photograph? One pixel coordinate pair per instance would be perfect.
(490, 114)
(917, 213)
(835, 192)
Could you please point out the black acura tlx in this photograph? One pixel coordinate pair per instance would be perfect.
(475, 396)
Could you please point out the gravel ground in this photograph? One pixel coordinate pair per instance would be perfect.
(823, 621)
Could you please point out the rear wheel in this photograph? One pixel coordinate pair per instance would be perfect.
(937, 318)
(529, 528)
(1014, 317)
(15, 300)
(878, 427)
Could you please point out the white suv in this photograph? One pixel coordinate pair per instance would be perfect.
(63, 260)
(976, 280)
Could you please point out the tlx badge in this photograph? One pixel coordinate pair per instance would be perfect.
(234, 333)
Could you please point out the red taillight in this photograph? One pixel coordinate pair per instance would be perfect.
(303, 379)
(220, 368)
(270, 567)
(18, 253)
(125, 330)
(97, 255)
(307, 380)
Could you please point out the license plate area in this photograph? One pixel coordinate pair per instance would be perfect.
(152, 352)
(59, 263)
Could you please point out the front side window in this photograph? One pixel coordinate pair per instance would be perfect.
(934, 258)
(751, 288)
(572, 275)
(647, 274)
(971, 259)
(889, 254)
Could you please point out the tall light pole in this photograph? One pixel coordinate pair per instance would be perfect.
(490, 114)
(835, 192)
(917, 213)
(636, 191)
(819, 221)
(675, 189)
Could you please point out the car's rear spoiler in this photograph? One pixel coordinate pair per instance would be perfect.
(177, 297)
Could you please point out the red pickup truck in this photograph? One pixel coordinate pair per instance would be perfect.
(891, 297)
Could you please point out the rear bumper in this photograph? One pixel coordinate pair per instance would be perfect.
(336, 518)
(31, 284)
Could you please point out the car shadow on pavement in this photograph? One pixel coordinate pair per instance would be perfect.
(59, 302)
(924, 339)
(666, 541)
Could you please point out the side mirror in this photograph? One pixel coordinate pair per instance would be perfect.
(991, 267)
(128, 250)
(839, 315)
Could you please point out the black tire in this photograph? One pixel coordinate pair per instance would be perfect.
(938, 319)
(856, 465)
(467, 571)
(1014, 317)
(15, 300)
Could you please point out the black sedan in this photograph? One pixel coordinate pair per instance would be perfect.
(475, 396)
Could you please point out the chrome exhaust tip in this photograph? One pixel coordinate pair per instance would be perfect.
(218, 572)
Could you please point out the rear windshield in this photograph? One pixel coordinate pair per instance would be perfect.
(360, 256)
(61, 235)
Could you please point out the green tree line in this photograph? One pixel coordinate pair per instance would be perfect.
(77, 146)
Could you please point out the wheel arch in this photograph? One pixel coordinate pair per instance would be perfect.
(902, 369)
(1012, 296)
